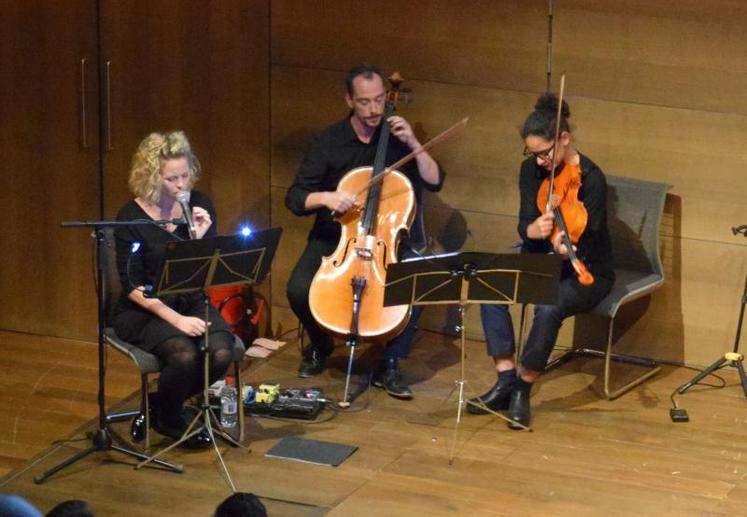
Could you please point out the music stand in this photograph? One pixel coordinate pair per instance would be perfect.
(196, 265)
(469, 278)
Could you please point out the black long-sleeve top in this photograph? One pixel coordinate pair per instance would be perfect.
(334, 151)
(144, 266)
(594, 247)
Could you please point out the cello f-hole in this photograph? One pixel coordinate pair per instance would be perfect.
(341, 260)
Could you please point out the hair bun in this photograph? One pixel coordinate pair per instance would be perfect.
(549, 102)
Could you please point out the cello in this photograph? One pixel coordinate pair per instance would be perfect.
(347, 292)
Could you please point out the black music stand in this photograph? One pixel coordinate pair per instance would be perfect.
(102, 438)
(196, 265)
(470, 278)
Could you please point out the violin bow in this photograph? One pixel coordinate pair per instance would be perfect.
(558, 114)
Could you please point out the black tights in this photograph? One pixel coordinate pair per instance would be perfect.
(182, 377)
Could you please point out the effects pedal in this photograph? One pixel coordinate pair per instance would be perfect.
(305, 404)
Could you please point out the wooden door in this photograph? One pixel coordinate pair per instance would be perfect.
(49, 149)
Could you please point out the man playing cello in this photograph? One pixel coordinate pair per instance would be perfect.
(335, 150)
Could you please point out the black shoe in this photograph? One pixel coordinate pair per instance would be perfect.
(518, 409)
(312, 363)
(200, 440)
(496, 399)
(137, 428)
(169, 431)
(390, 379)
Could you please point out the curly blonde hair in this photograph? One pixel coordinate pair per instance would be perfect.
(145, 173)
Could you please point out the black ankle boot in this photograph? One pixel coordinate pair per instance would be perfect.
(200, 440)
(518, 409)
(314, 361)
(388, 376)
(496, 399)
(312, 365)
(137, 428)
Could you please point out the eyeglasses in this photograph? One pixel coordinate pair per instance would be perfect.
(542, 155)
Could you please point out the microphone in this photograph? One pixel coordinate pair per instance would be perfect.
(182, 198)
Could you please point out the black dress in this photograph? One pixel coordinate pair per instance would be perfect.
(132, 322)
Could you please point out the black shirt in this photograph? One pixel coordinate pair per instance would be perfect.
(144, 266)
(594, 247)
(334, 151)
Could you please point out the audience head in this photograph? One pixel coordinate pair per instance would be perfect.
(241, 504)
(71, 508)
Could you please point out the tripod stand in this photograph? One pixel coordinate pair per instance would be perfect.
(733, 359)
(205, 413)
(102, 437)
(196, 265)
(470, 278)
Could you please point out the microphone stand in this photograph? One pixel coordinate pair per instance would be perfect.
(733, 358)
(102, 437)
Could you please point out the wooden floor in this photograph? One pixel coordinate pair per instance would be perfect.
(586, 456)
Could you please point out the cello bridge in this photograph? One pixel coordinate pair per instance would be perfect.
(364, 253)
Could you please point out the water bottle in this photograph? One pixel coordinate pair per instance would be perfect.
(229, 416)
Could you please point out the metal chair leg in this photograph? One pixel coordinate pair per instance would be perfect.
(608, 357)
(522, 330)
(629, 359)
(145, 406)
(240, 393)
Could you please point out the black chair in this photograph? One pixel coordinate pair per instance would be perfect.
(634, 211)
(147, 363)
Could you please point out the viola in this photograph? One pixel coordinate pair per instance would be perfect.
(570, 213)
(347, 293)
(559, 193)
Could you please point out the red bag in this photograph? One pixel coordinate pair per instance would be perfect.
(240, 308)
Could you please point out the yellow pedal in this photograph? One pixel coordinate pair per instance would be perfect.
(267, 393)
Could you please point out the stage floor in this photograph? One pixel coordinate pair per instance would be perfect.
(585, 456)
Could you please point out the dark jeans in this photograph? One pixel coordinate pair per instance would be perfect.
(298, 297)
(573, 298)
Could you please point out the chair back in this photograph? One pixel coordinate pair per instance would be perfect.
(634, 212)
(113, 287)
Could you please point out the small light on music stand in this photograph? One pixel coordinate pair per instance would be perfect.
(135, 246)
(245, 230)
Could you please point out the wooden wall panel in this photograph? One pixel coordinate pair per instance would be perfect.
(693, 317)
(692, 56)
(238, 129)
(486, 42)
(295, 230)
(303, 102)
(697, 152)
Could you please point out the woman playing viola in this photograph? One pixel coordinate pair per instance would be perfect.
(512, 389)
